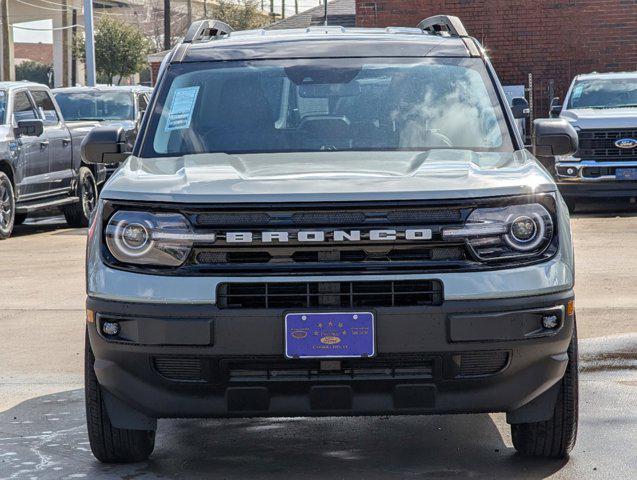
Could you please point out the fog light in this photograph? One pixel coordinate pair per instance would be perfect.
(550, 322)
(570, 171)
(110, 328)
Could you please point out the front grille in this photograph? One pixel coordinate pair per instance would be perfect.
(305, 255)
(328, 218)
(275, 369)
(329, 254)
(401, 293)
(600, 145)
(477, 364)
(383, 367)
(340, 238)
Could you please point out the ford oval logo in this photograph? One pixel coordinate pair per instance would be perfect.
(626, 143)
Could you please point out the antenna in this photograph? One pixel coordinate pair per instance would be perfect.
(325, 9)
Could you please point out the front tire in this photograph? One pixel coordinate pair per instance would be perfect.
(7, 207)
(78, 214)
(110, 444)
(555, 437)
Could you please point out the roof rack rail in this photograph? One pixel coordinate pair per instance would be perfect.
(204, 30)
(444, 25)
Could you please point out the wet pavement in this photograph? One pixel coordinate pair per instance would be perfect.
(43, 432)
(45, 438)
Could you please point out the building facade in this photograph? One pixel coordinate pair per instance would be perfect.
(553, 40)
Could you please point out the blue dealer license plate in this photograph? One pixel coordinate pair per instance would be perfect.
(626, 173)
(329, 335)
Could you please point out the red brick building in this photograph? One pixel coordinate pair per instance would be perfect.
(552, 39)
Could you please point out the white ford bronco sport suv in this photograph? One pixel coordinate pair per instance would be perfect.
(602, 107)
(329, 221)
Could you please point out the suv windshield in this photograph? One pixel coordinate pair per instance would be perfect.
(326, 105)
(96, 105)
(610, 93)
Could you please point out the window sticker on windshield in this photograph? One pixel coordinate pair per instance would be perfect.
(181, 108)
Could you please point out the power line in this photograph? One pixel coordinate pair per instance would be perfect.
(39, 6)
(45, 29)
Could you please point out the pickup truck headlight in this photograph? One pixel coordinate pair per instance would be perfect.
(505, 232)
(162, 239)
(566, 158)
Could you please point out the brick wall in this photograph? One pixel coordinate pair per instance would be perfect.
(552, 39)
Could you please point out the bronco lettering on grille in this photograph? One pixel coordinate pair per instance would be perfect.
(318, 236)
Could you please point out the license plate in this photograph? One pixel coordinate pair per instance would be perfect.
(329, 335)
(626, 173)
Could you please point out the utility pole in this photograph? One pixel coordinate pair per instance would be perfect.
(189, 12)
(65, 43)
(282, 8)
(167, 42)
(90, 43)
(325, 5)
(296, 7)
(272, 9)
(73, 59)
(8, 72)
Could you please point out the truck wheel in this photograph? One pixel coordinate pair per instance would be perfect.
(7, 207)
(78, 214)
(555, 437)
(110, 444)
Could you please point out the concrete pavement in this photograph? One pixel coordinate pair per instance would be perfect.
(42, 430)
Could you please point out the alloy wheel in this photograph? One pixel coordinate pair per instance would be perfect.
(5, 205)
(88, 195)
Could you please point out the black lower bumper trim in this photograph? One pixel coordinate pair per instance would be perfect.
(419, 367)
(584, 190)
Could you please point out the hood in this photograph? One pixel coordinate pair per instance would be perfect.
(331, 176)
(594, 118)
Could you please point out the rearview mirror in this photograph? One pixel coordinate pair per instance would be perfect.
(520, 107)
(105, 145)
(556, 107)
(554, 136)
(31, 128)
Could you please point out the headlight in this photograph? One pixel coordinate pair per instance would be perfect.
(505, 232)
(162, 239)
(566, 158)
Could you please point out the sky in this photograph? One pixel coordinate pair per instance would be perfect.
(31, 36)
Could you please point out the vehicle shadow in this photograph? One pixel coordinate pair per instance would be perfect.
(607, 208)
(37, 225)
(46, 436)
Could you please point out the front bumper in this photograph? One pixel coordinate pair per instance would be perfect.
(593, 179)
(461, 357)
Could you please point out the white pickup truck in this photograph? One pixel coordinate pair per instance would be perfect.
(603, 109)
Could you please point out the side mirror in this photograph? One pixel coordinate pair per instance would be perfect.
(520, 107)
(31, 128)
(554, 136)
(105, 145)
(556, 107)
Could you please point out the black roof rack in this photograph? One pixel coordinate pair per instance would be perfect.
(444, 25)
(204, 30)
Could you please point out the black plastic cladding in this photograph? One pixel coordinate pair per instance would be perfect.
(331, 268)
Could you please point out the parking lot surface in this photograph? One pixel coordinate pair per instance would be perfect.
(43, 434)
